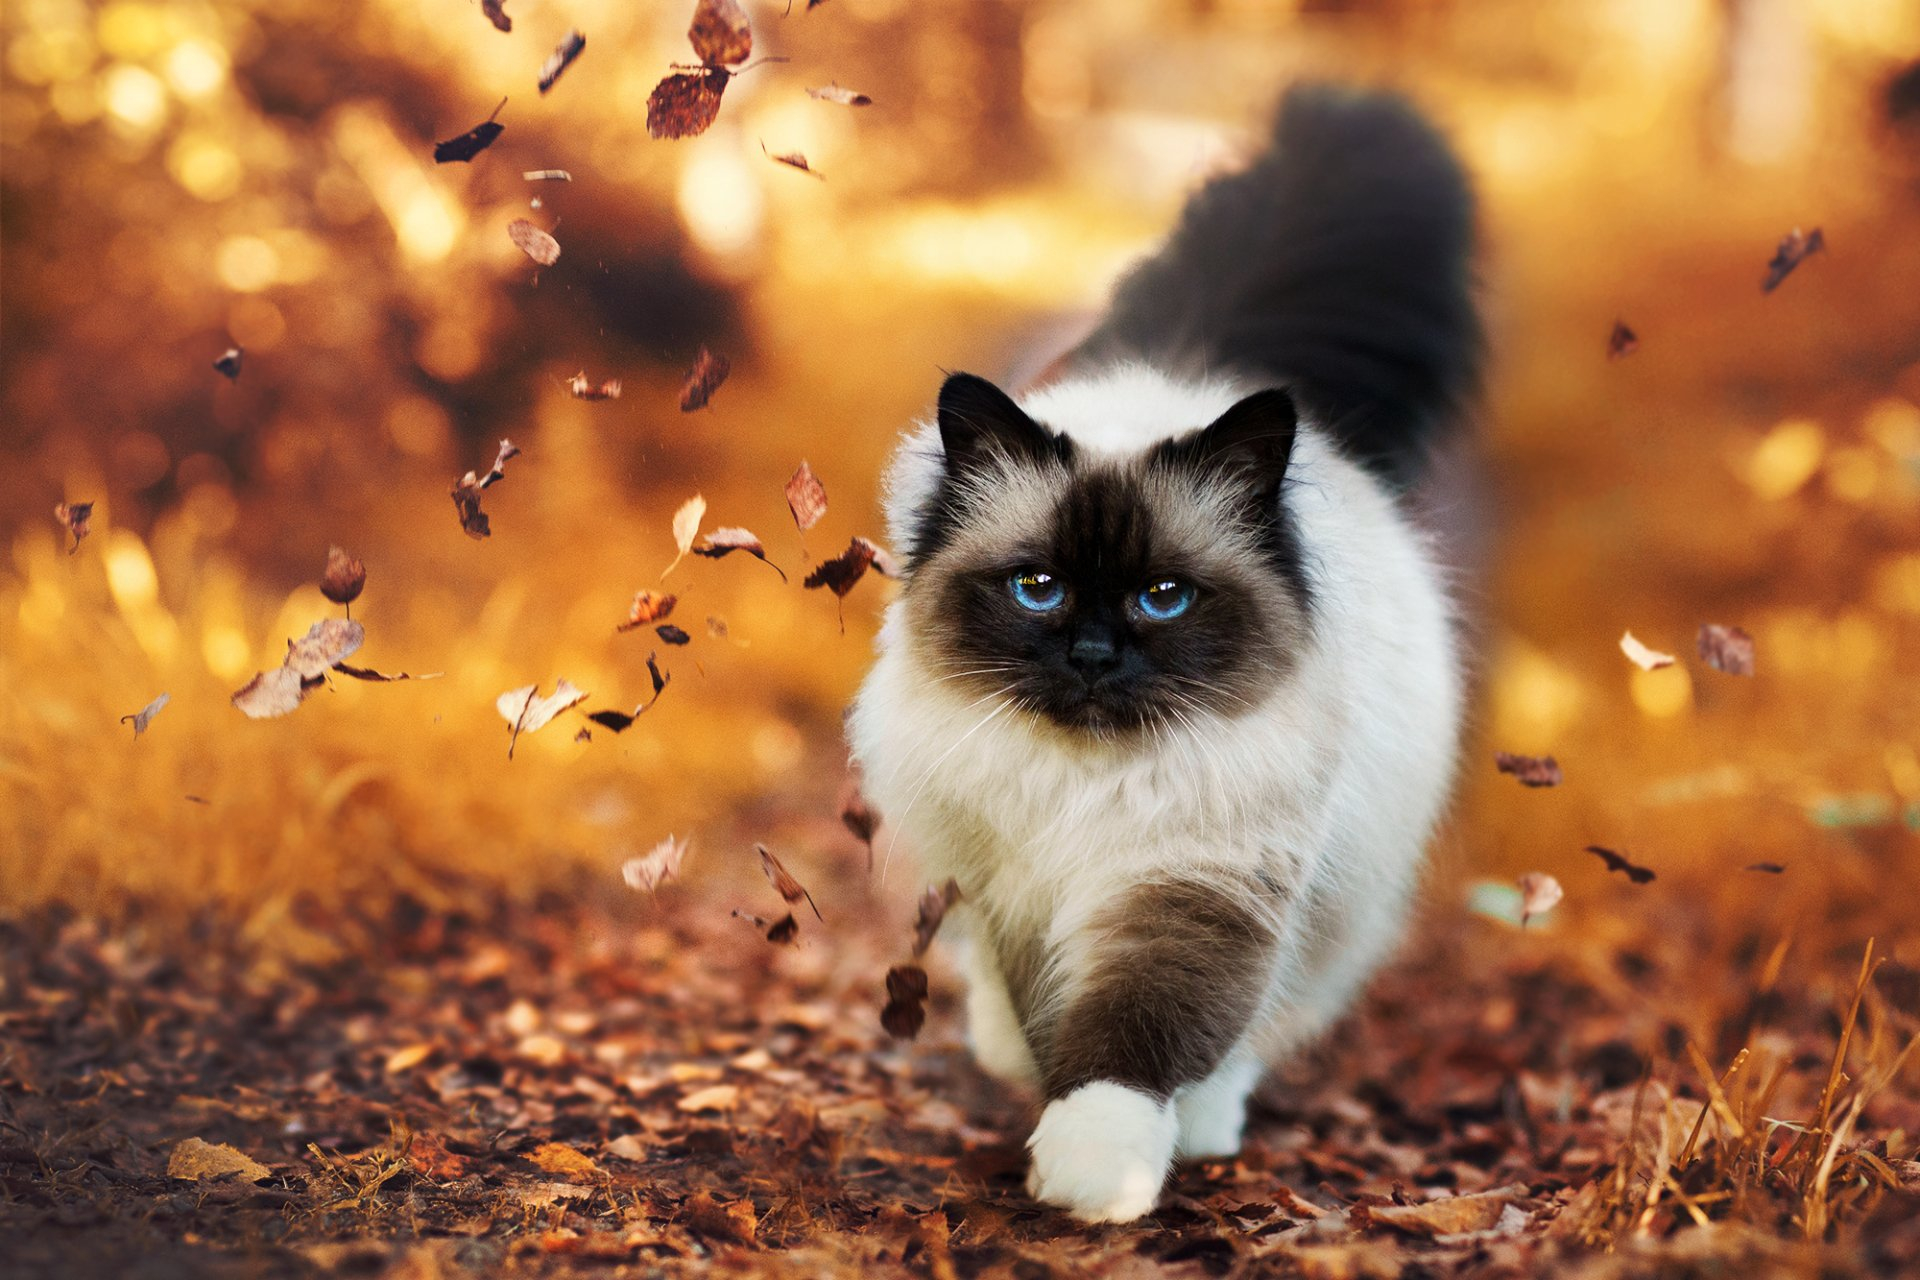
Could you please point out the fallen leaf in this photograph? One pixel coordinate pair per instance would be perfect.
(734, 1221)
(471, 143)
(585, 390)
(1622, 341)
(702, 380)
(1642, 657)
(227, 363)
(1727, 649)
(1449, 1215)
(1619, 862)
(196, 1160)
(144, 717)
(686, 526)
(533, 242)
(793, 160)
(1539, 894)
(670, 634)
(559, 1158)
(906, 1008)
(685, 104)
(271, 693)
(326, 644)
(647, 872)
(408, 1058)
(647, 606)
(1532, 771)
(526, 712)
(934, 904)
(547, 175)
(844, 97)
(1794, 248)
(561, 58)
(720, 33)
(806, 497)
(725, 541)
(719, 1097)
(783, 882)
(344, 577)
(75, 516)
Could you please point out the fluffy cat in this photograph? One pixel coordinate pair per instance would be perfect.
(1172, 688)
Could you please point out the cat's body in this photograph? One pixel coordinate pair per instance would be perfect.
(1178, 708)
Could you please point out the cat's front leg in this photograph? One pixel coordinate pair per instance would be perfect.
(1163, 983)
(994, 1033)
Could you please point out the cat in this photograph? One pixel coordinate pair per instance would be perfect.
(1172, 688)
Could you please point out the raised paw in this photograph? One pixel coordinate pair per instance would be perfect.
(1101, 1152)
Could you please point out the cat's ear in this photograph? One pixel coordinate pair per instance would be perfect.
(1253, 440)
(979, 421)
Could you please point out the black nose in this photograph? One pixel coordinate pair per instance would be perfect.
(1093, 651)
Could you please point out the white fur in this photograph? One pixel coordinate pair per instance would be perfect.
(1102, 1152)
(1341, 772)
(1213, 1113)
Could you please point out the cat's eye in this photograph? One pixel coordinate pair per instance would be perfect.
(1036, 591)
(1167, 598)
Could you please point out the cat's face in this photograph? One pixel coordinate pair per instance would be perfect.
(1105, 594)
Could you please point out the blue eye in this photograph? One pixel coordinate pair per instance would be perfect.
(1036, 591)
(1168, 598)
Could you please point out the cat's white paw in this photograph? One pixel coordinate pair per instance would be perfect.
(1102, 1152)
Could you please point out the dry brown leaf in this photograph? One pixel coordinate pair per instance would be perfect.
(1622, 341)
(783, 882)
(527, 712)
(839, 574)
(859, 817)
(1450, 1215)
(720, 33)
(75, 517)
(271, 693)
(734, 1221)
(471, 143)
(344, 577)
(1727, 649)
(496, 11)
(806, 497)
(685, 104)
(327, 643)
(227, 363)
(722, 542)
(906, 1008)
(719, 1097)
(547, 175)
(1793, 249)
(559, 60)
(1539, 894)
(1532, 771)
(793, 160)
(686, 526)
(702, 380)
(843, 97)
(384, 677)
(647, 872)
(408, 1058)
(533, 242)
(1619, 862)
(144, 716)
(1642, 657)
(647, 607)
(934, 905)
(468, 488)
(559, 1158)
(196, 1160)
(582, 389)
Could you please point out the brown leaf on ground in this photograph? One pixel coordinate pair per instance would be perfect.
(806, 497)
(560, 59)
(790, 889)
(1532, 771)
(1641, 656)
(702, 380)
(650, 870)
(327, 643)
(1727, 649)
(527, 712)
(1793, 249)
(906, 1008)
(793, 160)
(647, 607)
(196, 1160)
(1447, 1216)
(496, 11)
(934, 905)
(533, 242)
(559, 1158)
(582, 389)
(720, 33)
(75, 517)
(343, 578)
(144, 716)
(843, 97)
(1622, 341)
(471, 143)
(1539, 894)
(734, 1221)
(725, 541)
(227, 363)
(719, 1097)
(686, 527)
(685, 104)
(1619, 862)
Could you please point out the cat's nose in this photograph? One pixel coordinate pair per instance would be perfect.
(1093, 651)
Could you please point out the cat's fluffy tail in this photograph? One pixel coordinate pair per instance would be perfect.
(1338, 264)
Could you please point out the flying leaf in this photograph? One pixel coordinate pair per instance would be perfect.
(658, 677)
(467, 491)
(228, 363)
(1642, 657)
(703, 379)
(647, 607)
(793, 160)
(561, 58)
(344, 577)
(806, 497)
(647, 872)
(1794, 248)
(859, 817)
(76, 517)
(840, 574)
(783, 882)
(1532, 771)
(685, 104)
(1622, 341)
(144, 716)
(496, 11)
(1619, 862)
(533, 242)
(384, 677)
(725, 541)
(326, 644)
(547, 175)
(471, 143)
(882, 561)
(720, 33)
(781, 932)
(620, 721)
(1771, 868)
(582, 389)
(934, 904)
(906, 1009)
(1727, 649)
(1539, 894)
(844, 97)
(672, 635)
(272, 693)
(686, 525)
(526, 712)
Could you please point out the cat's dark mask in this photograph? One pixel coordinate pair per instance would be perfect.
(1110, 593)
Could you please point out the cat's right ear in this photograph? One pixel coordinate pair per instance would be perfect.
(979, 422)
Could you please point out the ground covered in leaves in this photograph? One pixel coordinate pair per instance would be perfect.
(552, 1089)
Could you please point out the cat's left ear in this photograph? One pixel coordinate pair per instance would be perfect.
(979, 421)
(1253, 439)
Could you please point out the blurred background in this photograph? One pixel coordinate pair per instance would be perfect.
(179, 177)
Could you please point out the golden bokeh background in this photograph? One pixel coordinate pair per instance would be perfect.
(177, 177)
